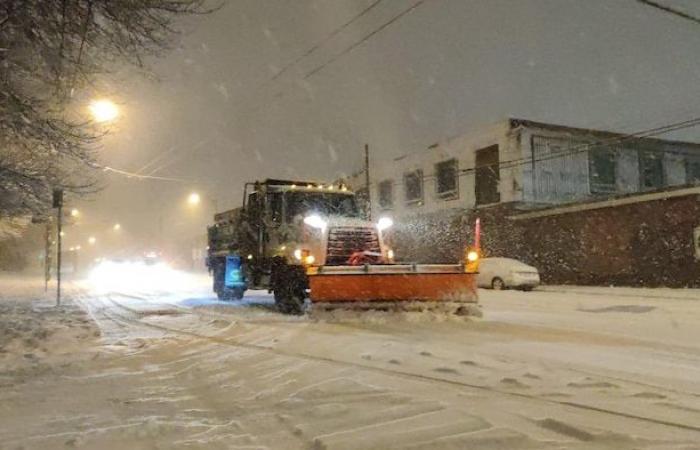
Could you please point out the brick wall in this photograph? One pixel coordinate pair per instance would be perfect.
(649, 244)
(640, 244)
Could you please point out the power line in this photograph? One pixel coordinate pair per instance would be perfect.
(670, 10)
(159, 157)
(141, 176)
(365, 38)
(346, 50)
(323, 42)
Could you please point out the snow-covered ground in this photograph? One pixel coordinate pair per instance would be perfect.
(561, 367)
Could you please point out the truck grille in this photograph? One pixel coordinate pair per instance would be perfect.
(344, 241)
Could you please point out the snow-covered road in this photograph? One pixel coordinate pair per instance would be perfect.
(555, 368)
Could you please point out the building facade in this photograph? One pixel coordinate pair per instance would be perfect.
(506, 172)
(532, 164)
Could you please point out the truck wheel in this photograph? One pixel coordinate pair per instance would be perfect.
(218, 282)
(289, 287)
(290, 299)
(238, 293)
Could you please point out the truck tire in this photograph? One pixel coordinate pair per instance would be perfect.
(290, 300)
(289, 288)
(218, 281)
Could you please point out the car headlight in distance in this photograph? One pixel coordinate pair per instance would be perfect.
(315, 221)
(384, 223)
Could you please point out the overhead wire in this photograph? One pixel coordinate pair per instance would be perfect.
(669, 10)
(326, 39)
(365, 38)
(159, 157)
(141, 176)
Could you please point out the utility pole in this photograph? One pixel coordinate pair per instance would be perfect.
(58, 203)
(369, 196)
(47, 255)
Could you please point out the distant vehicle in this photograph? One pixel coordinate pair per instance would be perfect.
(151, 257)
(504, 273)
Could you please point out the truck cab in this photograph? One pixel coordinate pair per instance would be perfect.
(285, 226)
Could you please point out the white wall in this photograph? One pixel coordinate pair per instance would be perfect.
(463, 149)
(554, 180)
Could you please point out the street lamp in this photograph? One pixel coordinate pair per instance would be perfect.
(103, 110)
(117, 227)
(92, 240)
(74, 212)
(194, 199)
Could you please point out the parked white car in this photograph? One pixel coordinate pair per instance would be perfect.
(504, 273)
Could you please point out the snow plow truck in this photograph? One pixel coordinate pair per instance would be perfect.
(305, 240)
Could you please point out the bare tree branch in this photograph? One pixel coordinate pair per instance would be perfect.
(48, 49)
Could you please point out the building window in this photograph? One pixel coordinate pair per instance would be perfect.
(447, 179)
(602, 164)
(386, 194)
(692, 170)
(413, 187)
(651, 170)
(487, 176)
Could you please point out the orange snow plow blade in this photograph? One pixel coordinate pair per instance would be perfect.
(391, 283)
(396, 286)
(392, 286)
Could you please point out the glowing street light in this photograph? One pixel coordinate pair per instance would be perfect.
(194, 199)
(92, 240)
(117, 227)
(103, 110)
(74, 212)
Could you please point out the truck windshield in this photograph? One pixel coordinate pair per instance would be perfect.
(302, 203)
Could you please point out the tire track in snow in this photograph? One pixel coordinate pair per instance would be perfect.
(397, 373)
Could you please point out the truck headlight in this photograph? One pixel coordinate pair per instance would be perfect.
(384, 223)
(315, 221)
(302, 254)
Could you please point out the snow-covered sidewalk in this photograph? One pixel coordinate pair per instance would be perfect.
(34, 333)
